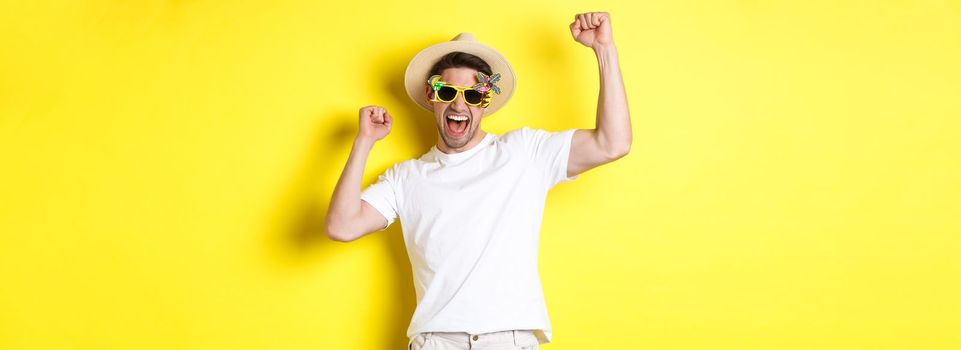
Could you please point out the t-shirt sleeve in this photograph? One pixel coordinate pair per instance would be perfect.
(381, 196)
(550, 152)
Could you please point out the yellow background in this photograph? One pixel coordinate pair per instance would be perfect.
(793, 184)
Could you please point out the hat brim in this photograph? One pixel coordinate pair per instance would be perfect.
(415, 78)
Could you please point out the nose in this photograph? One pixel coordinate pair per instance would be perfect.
(459, 104)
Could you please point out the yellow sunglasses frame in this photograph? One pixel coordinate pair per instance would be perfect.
(436, 85)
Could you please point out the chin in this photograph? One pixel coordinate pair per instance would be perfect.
(455, 143)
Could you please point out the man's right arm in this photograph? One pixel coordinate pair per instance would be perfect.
(348, 217)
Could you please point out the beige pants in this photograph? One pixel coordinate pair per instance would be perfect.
(505, 340)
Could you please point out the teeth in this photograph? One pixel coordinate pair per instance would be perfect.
(457, 117)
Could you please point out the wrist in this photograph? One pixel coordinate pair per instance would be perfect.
(606, 56)
(364, 142)
(605, 49)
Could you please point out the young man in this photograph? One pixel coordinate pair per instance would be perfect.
(471, 207)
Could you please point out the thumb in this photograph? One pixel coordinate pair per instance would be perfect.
(575, 28)
(388, 120)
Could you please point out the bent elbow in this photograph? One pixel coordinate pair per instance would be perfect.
(619, 151)
(338, 234)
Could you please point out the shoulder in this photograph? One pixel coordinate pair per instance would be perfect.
(521, 134)
(406, 166)
(530, 135)
(399, 170)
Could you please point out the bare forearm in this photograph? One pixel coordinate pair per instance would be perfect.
(613, 117)
(345, 203)
(346, 218)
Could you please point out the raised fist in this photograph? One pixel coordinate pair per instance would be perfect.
(592, 29)
(375, 123)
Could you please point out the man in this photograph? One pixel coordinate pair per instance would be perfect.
(471, 207)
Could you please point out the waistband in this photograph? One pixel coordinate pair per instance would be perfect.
(517, 337)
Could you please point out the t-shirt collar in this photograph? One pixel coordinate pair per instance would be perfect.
(448, 158)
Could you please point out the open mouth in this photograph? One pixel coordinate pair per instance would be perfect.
(457, 124)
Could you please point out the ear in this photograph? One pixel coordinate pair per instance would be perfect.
(430, 95)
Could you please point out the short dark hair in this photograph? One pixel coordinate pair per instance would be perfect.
(460, 60)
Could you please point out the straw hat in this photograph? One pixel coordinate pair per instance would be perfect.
(415, 79)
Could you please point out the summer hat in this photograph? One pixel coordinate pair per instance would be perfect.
(415, 79)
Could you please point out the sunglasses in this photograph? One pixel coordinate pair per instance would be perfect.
(447, 93)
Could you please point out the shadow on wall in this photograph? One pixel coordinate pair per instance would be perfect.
(550, 63)
(296, 234)
(307, 197)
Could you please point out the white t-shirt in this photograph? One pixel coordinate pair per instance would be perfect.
(471, 223)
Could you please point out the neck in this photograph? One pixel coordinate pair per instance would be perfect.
(441, 146)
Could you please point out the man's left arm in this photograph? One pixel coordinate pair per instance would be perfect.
(611, 137)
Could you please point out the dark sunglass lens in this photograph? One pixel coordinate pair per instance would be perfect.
(446, 93)
(473, 96)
